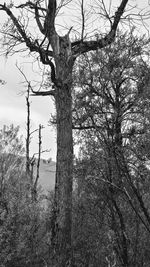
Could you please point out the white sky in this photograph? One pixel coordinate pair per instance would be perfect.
(13, 104)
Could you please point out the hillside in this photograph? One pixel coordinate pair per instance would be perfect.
(47, 174)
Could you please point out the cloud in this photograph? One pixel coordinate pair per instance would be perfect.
(17, 115)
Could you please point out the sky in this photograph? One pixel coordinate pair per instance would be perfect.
(13, 103)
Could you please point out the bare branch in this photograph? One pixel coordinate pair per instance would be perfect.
(27, 81)
(35, 93)
(80, 47)
(43, 93)
(37, 17)
(36, 9)
(107, 15)
(33, 46)
(46, 61)
(83, 19)
(31, 5)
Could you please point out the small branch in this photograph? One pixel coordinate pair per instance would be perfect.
(43, 93)
(35, 93)
(83, 127)
(43, 151)
(34, 131)
(37, 17)
(31, 5)
(83, 19)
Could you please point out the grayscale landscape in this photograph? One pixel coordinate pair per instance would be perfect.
(74, 133)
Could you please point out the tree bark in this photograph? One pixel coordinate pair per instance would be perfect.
(63, 187)
(62, 212)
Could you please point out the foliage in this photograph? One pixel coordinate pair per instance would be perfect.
(111, 110)
(22, 221)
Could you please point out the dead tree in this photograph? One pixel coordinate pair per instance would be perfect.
(31, 161)
(35, 183)
(28, 133)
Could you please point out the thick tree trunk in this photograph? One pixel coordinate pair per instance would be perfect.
(61, 223)
(62, 212)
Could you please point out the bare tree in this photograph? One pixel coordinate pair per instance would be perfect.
(28, 133)
(35, 183)
(31, 162)
(59, 53)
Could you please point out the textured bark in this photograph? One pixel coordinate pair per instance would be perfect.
(61, 234)
(62, 213)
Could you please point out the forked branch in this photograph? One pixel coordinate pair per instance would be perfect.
(80, 47)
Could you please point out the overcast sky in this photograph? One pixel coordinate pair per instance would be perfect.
(13, 104)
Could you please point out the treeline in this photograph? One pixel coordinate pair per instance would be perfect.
(111, 122)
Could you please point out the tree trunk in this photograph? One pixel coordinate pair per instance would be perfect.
(62, 213)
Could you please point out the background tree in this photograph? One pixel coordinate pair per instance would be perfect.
(111, 108)
(50, 45)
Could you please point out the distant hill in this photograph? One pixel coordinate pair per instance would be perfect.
(47, 174)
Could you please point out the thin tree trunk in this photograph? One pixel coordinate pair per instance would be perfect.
(28, 133)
